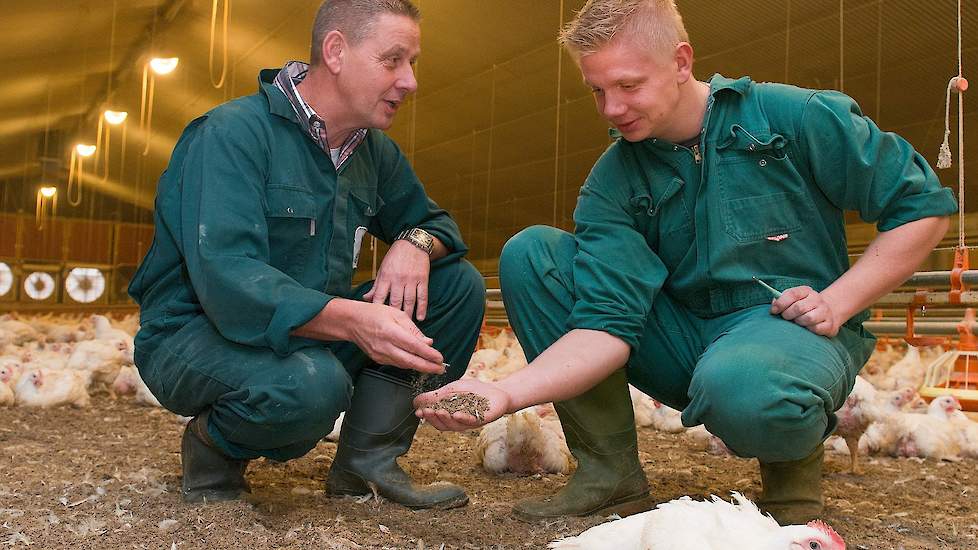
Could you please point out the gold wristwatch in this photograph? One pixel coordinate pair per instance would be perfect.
(419, 238)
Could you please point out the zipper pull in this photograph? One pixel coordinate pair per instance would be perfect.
(697, 157)
(312, 227)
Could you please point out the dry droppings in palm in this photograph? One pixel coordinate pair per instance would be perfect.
(470, 403)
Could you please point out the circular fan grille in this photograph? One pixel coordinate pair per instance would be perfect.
(6, 279)
(39, 285)
(85, 284)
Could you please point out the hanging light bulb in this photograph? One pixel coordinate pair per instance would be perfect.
(164, 65)
(75, 167)
(115, 118)
(85, 150)
(45, 205)
(161, 66)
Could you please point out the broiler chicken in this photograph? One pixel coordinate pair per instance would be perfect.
(523, 443)
(859, 411)
(649, 412)
(685, 524)
(930, 435)
(105, 331)
(102, 358)
(51, 388)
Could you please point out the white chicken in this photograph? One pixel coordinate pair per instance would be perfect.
(857, 413)
(902, 434)
(105, 331)
(482, 362)
(524, 443)
(699, 438)
(335, 434)
(102, 358)
(51, 388)
(16, 332)
(908, 371)
(649, 412)
(6, 395)
(685, 524)
(128, 382)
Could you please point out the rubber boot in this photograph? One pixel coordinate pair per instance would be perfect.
(208, 474)
(378, 428)
(599, 426)
(792, 491)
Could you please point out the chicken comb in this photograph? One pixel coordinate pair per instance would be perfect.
(825, 528)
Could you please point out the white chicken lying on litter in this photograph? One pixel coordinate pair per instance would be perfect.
(903, 434)
(129, 382)
(525, 442)
(649, 412)
(52, 387)
(6, 395)
(686, 524)
(701, 439)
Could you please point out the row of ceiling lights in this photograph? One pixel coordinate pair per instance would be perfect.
(48, 193)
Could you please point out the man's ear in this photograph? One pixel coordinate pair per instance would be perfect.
(683, 57)
(333, 49)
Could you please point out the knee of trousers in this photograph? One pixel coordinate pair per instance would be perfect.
(527, 253)
(461, 286)
(772, 417)
(296, 407)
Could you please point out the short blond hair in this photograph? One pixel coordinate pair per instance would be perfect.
(657, 23)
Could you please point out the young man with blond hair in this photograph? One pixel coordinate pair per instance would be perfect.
(708, 185)
(249, 322)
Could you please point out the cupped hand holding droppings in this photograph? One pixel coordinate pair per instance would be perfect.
(463, 405)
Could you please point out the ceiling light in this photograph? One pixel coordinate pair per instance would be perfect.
(49, 192)
(85, 150)
(115, 118)
(164, 65)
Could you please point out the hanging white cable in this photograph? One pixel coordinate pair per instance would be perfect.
(879, 60)
(492, 122)
(560, 65)
(224, 56)
(842, 46)
(787, 38)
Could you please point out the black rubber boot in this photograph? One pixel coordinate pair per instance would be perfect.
(378, 428)
(209, 475)
(599, 426)
(792, 491)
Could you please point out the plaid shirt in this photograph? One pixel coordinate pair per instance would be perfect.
(311, 123)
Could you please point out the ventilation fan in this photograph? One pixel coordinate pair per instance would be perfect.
(85, 284)
(6, 279)
(39, 285)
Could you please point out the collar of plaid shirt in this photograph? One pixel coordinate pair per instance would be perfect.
(314, 126)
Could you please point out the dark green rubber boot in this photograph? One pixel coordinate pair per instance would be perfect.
(600, 429)
(209, 475)
(792, 491)
(378, 428)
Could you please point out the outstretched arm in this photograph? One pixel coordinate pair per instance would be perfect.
(575, 363)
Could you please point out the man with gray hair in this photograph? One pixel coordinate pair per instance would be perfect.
(710, 188)
(249, 322)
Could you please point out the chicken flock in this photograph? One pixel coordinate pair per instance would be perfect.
(49, 360)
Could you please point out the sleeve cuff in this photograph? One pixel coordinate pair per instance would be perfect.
(295, 310)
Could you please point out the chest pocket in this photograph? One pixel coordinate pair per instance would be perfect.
(763, 196)
(364, 206)
(666, 222)
(290, 214)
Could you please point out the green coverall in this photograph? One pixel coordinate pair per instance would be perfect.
(667, 239)
(255, 234)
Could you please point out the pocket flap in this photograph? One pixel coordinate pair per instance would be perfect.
(740, 139)
(289, 202)
(370, 206)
